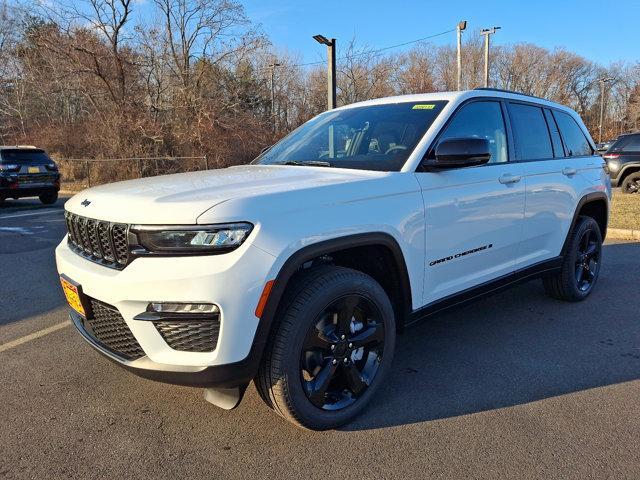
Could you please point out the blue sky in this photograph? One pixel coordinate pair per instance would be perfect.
(601, 31)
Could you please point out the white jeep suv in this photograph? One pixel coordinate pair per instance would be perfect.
(298, 270)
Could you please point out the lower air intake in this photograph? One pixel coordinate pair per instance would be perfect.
(190, 336)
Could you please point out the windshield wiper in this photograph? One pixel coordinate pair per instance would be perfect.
(311, 163)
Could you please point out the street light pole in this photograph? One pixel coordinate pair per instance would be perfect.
(602, 82)
(462, 25)
(331, 69)
(273, 92)
(487, 32)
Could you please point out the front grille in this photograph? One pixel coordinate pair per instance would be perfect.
(101, 242)
(106, 325)
(190, 336)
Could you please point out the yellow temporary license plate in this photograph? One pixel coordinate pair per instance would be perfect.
(34, 169)
(73, 296)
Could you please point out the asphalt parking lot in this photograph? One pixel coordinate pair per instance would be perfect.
(513, 386)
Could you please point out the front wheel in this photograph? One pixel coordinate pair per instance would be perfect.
(332, 348)
(580, 265)
(631, 184)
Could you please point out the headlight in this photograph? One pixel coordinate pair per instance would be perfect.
(613, 165)
(192, 239)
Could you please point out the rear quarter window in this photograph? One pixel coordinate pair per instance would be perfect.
(574, 138)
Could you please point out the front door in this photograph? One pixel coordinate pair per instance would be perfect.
(474, 215)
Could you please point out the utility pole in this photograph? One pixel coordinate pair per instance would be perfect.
(487, 32)
(273, 92)
(602, 82)
(462, 25)
(331, 69)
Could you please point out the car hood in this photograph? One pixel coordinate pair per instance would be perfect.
(182, 198)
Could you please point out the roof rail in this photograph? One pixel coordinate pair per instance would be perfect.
(508, 91)
(18, 147)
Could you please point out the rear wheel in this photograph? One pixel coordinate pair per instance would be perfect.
(631, 184)
(49, 198)
(581, 263)
(331, 349)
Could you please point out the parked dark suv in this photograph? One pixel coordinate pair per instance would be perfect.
(623, 160)
(27, 171)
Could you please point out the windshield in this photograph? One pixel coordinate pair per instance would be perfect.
(24, 157)
(626, 143)
(376, 137)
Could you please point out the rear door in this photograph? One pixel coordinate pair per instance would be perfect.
(473, 215)
(552, 169)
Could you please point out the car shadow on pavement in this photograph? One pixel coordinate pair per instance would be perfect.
(515, 347)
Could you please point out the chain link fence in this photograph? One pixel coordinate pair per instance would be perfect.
(78, 173)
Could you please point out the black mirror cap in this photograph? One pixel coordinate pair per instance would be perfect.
(461, 152)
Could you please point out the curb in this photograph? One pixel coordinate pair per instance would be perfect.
(622, 234)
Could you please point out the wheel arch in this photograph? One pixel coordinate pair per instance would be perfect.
(594, 205)
(627, 170)
(343, 251)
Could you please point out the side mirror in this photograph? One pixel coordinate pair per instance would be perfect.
(461, 152)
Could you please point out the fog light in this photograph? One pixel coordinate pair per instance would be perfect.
(183, 308)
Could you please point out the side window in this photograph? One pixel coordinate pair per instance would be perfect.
(530, 132)
(558, 151)
(633, 144)
(481, 120)
(574, 139)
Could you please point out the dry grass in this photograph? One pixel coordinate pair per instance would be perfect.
(625, 211)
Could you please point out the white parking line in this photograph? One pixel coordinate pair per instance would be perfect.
(32, 336)
(41, 212)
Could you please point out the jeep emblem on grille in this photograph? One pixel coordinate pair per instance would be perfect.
(85, 202)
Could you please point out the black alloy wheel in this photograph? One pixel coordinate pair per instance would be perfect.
(342, 352)
(580, 265)
(331, 349)
(587, 260)
(631, 184)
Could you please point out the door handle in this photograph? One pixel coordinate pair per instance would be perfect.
(506, 179)
(569, 172)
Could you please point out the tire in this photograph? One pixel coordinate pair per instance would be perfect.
(289, 377)
(580, 265)
(631, 184)
(49, 198)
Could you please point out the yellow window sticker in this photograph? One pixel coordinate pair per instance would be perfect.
(423, 106)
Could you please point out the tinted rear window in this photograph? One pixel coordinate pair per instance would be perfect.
(626, 143)
(24, 157)
(530, 132)
(574, 138)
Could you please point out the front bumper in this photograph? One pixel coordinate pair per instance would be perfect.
(233, 281)
(614, 180)
(224, 376)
